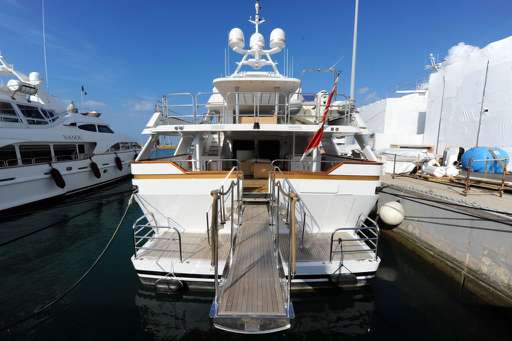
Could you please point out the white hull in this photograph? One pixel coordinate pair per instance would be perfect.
(34, 183)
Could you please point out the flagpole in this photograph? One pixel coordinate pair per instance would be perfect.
(354, 54)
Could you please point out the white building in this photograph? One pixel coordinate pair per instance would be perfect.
(468, 103)
(397, 121)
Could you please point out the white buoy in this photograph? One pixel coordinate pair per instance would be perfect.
(392, 213)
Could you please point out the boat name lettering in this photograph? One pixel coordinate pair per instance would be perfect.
(72, 137)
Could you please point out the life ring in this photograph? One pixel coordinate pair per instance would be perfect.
(95, 169)
(119, 163)
(57, 177)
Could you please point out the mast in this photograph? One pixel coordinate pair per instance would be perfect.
(354, 54)
(44, 48)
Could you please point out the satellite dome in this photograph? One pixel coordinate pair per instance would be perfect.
(257, 41)
(236, 38)
(277, 38)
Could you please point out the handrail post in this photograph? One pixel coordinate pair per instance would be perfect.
(293, 237)
(222, 206)
(232, 218)
(214, 230)
(238, 199)
(277, 215)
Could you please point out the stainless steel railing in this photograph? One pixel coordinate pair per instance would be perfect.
(225, 193)
(145, 235)
(365, 238)
(185, 107)
(290, 198)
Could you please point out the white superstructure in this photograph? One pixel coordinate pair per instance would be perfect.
(237, 206)
(46, 151)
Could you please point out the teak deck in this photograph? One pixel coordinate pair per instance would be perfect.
(317, 246)
(193, 245)
(253, 286)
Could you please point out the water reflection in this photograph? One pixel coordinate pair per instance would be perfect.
(338, 313)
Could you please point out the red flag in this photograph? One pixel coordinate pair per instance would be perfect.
(317, 138)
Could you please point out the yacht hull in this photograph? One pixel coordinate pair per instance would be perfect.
(28, 184)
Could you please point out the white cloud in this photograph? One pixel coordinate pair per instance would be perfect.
(363, 90)
(91, 104)
(143, 105)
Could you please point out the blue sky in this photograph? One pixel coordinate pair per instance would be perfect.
(129, 53)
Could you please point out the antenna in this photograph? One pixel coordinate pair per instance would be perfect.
(44, 48)
(434, 65)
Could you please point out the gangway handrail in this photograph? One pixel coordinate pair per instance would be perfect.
(305, 209)
(218, 211)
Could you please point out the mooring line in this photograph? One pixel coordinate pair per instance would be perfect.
(84, 275)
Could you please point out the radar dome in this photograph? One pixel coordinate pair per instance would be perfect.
(277, 38)
(257, 41)
(236, 38)
(34, 78)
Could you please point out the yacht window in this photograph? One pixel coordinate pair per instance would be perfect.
(125, 145)
(135, 145)
(7, 113)
(88, 127)
(64, 152)
(32, 114)
(72, 124)
(81, 149)
(35, 153)
(114, 148)
(49, 114)
(105, 129)
(8, 156)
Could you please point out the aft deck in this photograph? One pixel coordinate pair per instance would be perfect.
(194, 246)
(317, 248)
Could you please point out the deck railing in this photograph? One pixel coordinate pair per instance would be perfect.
(145, 235)
(189, 108)
(365, 240)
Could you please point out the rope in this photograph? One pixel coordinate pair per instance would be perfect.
(84, 275)
(446, 203)
(454, 211)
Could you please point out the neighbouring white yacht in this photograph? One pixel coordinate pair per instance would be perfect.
(46, 151)
(239, 208)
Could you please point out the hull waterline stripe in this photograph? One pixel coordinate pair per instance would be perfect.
(320, 176)
(192, 275)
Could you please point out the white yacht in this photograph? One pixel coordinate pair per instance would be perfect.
(241, 207)
(47, 152)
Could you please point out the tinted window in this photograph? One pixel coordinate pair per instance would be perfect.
(32, 114)
(8, 156)
(64, 152)
(114, 148)
(7, 113)
(104, 129)
(81, 149)
(35, 153)
(88, 127)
